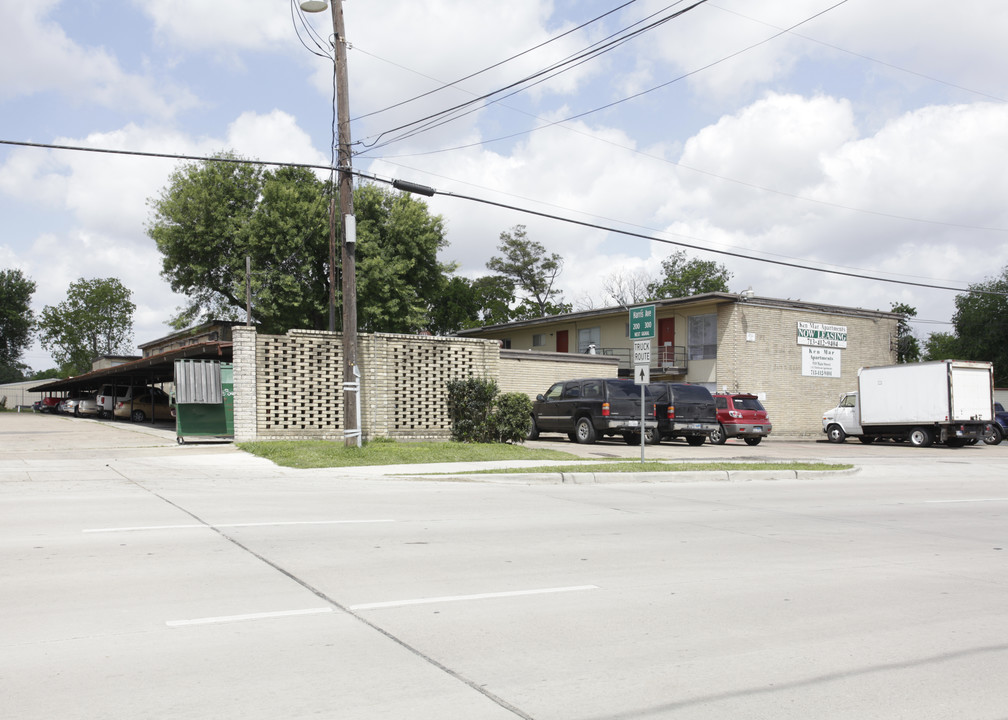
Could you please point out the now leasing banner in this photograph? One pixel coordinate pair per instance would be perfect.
(820, 335)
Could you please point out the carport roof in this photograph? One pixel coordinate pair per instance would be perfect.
(153, 369)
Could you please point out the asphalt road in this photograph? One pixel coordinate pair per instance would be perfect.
(144, 579)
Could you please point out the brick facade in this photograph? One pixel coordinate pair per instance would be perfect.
(290, 386)
(758, 352)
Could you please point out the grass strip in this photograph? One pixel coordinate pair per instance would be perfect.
(332, 453)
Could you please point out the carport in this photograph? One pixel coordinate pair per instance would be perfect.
(152, 370)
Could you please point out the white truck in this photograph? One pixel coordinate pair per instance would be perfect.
(947, 401)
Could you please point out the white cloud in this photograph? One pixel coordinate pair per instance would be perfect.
(36, 56)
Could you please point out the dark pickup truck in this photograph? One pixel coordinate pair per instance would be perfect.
(587, 409)
(684, 410)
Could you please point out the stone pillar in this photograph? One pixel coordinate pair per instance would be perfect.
(244, 358)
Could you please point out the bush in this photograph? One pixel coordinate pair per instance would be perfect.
(511, 417)
(480, 414)
(470, 404)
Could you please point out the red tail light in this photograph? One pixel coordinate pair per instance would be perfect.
(671, 412)
(605, 409)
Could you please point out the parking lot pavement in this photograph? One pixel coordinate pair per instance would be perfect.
(156, 580)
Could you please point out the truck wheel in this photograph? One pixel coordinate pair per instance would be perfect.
(920, 437)
(584, 431)
(994, 436)
(533, 430)
(695, 440)
(718, 437)
(836, 434)
(753, 440)
(631, 439)
(652, 436)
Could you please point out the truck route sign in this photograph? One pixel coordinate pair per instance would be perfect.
(642, 322)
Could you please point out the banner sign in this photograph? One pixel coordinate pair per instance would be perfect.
(820, 362)
(820, 335)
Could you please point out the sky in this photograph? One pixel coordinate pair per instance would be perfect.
(775, 137)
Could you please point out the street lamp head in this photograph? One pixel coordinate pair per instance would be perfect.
(314, 5)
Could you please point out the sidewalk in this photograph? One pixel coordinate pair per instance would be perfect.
(35, 446)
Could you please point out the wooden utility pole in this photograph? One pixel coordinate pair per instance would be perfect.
(348, 225)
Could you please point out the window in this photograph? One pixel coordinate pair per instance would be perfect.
(539, 340)
(588, 337)
(505, 343)
(702, 337)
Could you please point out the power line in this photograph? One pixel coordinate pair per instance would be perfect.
(443, 116)
(515, 208)
(445, 86)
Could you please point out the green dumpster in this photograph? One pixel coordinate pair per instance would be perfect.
(204, 399)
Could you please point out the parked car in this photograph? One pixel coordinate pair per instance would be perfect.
(590, 408)
(47, 404)
(684, 410)
(740, 415)
(71, 403)
(87, 407)
(998, 428)
(140, 407)
(107, 402)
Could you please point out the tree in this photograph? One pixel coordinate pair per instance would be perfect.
(533, 272)
(96, 319)
(213, 214)
(981, 324)
(941, 346)
(16, 322)
(627, 288)
(907, 347)
(683, 278)
(399, 277)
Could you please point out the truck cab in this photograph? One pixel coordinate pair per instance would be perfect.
(841, 421)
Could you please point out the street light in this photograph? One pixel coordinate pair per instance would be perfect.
(351, 432)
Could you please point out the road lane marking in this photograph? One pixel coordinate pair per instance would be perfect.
(231, 525)
(459, 598)
(250, 616)
(971, 500)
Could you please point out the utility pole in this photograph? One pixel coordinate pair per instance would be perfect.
(347, 225)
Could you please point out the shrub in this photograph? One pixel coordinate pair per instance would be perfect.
(511, 417)
(470, 404)
(480, 414)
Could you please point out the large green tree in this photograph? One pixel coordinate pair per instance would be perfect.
(16, 322)
(399, 278)
(981, 324)
(95, 319)
(533, 273)
(213, 214)
(683, 277)
(907, 347)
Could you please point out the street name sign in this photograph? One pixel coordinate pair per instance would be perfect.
(642, 322)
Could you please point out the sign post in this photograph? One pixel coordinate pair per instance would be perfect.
(642, 332)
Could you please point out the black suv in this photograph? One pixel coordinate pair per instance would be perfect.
(588, 409)
(684, 410)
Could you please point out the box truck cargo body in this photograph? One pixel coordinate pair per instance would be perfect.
(949, 401)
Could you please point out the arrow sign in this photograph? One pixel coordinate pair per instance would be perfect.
(642, 374)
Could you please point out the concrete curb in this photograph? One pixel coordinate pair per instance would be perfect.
(602, 478)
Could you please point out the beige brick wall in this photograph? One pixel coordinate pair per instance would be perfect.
(533, 372)
(291, 386)
(758, 352)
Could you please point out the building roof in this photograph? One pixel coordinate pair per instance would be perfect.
(704, 298)
(153, 369)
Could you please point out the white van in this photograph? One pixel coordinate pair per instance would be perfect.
(125, 393)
